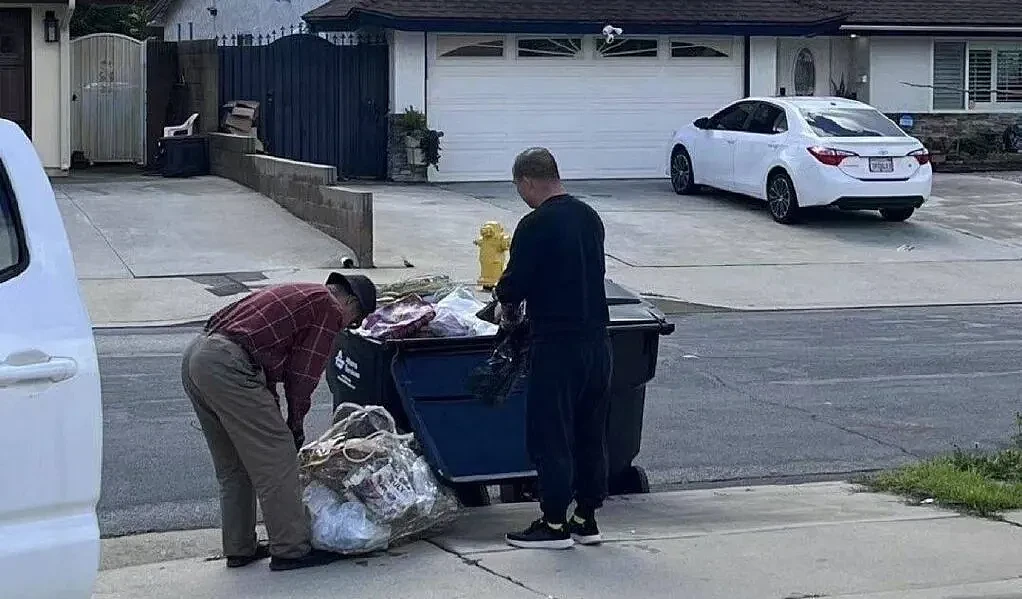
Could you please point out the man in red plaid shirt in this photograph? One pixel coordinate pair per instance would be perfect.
(278, 335)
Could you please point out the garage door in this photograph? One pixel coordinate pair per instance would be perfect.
(606, 110)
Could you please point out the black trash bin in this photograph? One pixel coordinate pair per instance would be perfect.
(183, 156)
(423, 384)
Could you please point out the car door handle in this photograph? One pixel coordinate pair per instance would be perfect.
(775, 146)
(732, 141)
(42, 368)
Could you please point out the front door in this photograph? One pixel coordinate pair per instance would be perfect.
(15, 63)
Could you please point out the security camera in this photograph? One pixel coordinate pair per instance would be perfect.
(610, 32)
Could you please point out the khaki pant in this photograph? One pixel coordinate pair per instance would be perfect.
(253, 449)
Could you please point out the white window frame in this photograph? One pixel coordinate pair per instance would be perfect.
(978, 107)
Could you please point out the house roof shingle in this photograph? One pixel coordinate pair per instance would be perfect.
(795, 13)
(519, 14)
(937, 13)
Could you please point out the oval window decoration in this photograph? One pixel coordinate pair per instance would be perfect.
(804, 73)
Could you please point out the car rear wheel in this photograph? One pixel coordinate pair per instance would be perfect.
(681, 172)
(781, 198)
(896, 215)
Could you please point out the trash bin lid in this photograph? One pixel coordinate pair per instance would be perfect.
(618, 295)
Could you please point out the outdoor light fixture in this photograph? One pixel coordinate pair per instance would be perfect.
(51, 27)
(609, 32)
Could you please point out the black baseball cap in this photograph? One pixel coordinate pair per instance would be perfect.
(358, 285)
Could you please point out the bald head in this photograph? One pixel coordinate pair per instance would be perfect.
(536, 176)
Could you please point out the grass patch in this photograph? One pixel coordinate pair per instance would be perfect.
(979, 483)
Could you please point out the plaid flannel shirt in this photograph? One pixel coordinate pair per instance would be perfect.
(289, 331)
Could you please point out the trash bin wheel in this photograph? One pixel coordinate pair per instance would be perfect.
(634, 481)
(472, 495)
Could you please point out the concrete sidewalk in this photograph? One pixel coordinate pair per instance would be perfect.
(820, 540)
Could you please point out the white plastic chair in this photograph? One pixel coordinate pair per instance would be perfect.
(182, 130)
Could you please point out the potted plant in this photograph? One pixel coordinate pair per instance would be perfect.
(422, 144)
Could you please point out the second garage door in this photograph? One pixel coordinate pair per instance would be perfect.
(606, 109)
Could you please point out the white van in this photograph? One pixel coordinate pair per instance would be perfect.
(50, 405)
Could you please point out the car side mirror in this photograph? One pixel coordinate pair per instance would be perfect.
(702, 123)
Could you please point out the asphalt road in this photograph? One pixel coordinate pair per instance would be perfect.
(738, 397)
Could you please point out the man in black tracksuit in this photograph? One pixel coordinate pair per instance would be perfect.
(557, 267)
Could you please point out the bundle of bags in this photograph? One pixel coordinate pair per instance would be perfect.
(430, 306)
(366, 487)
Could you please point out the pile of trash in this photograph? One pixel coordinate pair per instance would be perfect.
(428, 306)
(367, 488)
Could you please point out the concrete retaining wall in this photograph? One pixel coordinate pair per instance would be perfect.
(307, 190)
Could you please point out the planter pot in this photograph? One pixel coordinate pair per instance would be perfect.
(416, 157)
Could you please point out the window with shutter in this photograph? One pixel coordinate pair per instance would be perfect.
(981, 76)
(949, 75)
(1009, 76)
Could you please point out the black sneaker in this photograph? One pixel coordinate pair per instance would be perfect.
(239, 561)
(584, 531)
(312, 559)
(541, 535)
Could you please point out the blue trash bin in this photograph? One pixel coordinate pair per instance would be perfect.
(472, 444)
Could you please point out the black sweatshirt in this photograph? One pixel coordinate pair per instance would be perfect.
(557, 265)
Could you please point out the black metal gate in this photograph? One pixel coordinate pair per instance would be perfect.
(323, 99)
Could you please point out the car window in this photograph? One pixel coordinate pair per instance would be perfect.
(832, 121)
(765, 119)
(13, 253)
(733, 118)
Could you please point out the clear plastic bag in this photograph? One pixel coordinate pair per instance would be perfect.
(342, 526)
(456, 316)
(363, 459)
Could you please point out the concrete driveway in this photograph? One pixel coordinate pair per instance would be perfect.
(724, 250)
(150, 250)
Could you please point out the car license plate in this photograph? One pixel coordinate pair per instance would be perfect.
(881, 165)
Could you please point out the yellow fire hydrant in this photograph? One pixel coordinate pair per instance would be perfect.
(493, 243)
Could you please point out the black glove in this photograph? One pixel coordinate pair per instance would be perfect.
(299, 439)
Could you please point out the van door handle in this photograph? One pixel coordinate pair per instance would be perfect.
(35, 367)
(775, 146)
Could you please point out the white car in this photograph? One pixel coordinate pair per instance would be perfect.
(800, 152)
(50, 406)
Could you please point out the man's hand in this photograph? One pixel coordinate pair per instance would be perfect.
(299, 439)
(508, 315)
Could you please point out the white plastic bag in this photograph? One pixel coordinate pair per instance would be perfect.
(456, 316)
(342, 526)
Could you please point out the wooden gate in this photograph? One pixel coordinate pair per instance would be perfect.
(108, 98)
(322, 99)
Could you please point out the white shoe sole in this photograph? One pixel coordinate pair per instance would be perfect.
(590, 540)
(560, 544)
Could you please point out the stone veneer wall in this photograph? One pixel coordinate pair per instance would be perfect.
(953, 126)
(306, 190)
(944, 132)
(398, 168)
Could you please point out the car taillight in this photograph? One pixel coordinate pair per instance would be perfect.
(830, 156)
(922, 155)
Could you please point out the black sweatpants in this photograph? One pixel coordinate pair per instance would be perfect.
(567, 400)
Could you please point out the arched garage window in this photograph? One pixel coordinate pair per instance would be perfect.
(550, 47)
(680, 49)
(469, 46)
(627, 48)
